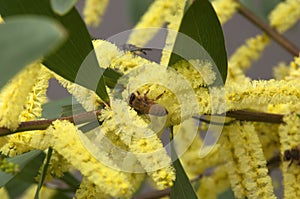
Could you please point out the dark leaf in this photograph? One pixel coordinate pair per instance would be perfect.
(24, 40)
(201, 23)
(77, 53)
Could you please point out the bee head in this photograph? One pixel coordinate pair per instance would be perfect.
(131, 98)
(287, 155)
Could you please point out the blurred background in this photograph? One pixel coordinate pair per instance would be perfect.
(123, 15)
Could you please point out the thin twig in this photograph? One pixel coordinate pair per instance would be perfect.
(44, 124)
(243, 115)
(276, 36)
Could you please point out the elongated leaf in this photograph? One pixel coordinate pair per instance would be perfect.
(201, 23)
(61, 7)
(182, 187)
(53, 109)
(68, 59)
(24, 40)
(23, 180)
(22, 161)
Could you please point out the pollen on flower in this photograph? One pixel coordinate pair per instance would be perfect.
(158, 14)
(68, 141)
(13, 99)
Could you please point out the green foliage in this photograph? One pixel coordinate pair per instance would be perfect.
(21, 160)
(201, 23)
(137, 8)
(68, 59)
(182, 187)
(24, 40)
(53, 109)
(62, 7)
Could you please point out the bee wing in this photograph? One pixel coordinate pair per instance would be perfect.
(157, 110)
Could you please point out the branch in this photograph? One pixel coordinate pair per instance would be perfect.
(44, 124)
(243, 115)
(280, 39)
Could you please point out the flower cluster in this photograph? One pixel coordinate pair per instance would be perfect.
(117, 157)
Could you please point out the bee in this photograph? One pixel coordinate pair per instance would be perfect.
(292, 155)
(143, 105)
(134, 49)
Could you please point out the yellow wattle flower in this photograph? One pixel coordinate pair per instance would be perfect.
(93, 11)
(285, 15)
(245, 55)
(211, 186)
(37, 97)
(13, 97)
(67, 140)
(158, 14)
(290, 139)
(225, 9)
(246, 163)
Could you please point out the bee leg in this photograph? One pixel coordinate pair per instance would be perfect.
(138, 92)
(291, 163)
(147, 92)
(159, 96)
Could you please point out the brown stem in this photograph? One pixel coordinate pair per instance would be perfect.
(243, 115)
(280, 39)
(44, 124)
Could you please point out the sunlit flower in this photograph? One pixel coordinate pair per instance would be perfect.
(13, 96)
(225, 9)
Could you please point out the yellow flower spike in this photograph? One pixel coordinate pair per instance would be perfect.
(37, 96)
(89, 190)
(13, 96)
(281, 71)
(225, 9)
(1, 20)
(285, 15)
(289, 139)
(108, 55)
(211, 186)
(244, 55)
(268, 136)
(205, 75)
(68, 141)
(258, 94)
(93, 11)
(142, 143)
(250, 165)
(158, 14)
(174, 18)
(294, 69)
(87, 98)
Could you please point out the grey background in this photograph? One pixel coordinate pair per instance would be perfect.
(236, 30)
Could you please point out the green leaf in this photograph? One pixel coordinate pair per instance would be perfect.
(22, 161)
(24, 40)
(182, 187)
(44, 173)
(62, 7)
(53, 109)
(137, 8)
(72, 109)
(71, 56)
(201, 23)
